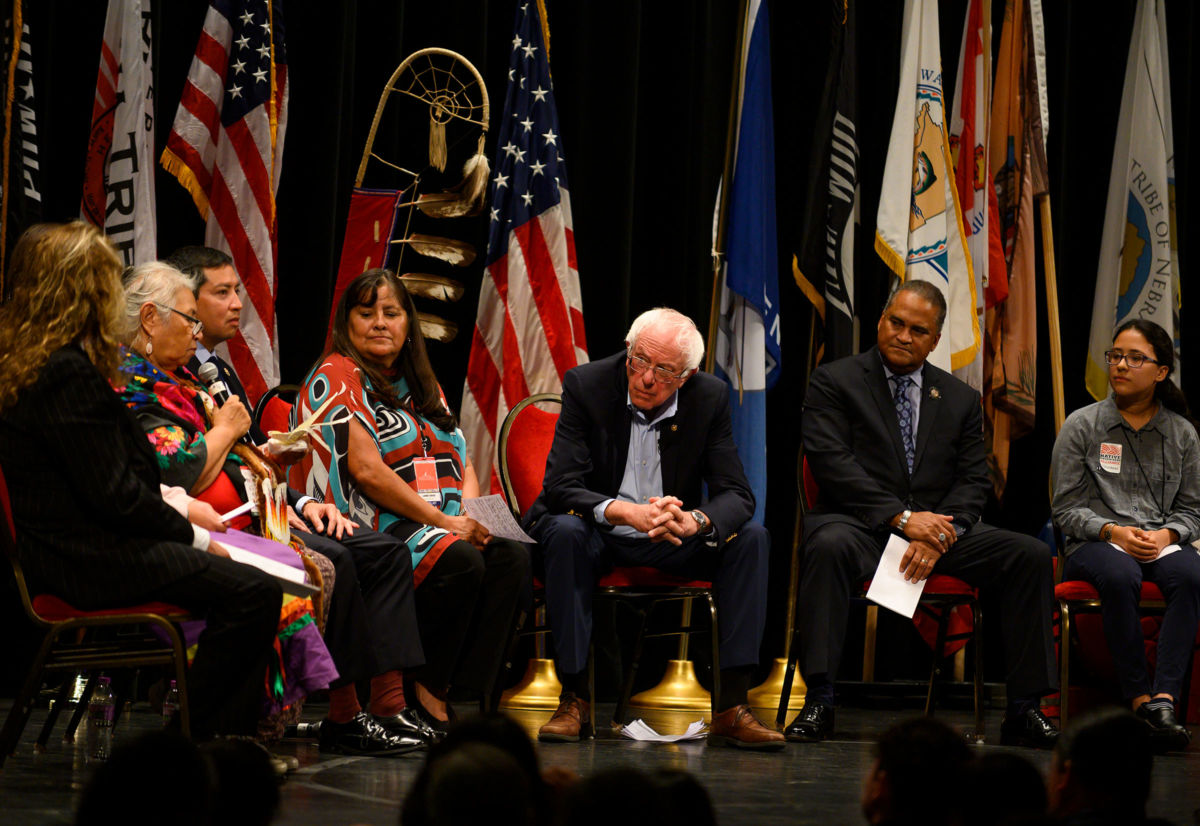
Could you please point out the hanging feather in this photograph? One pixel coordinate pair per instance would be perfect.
(437, 328)
(464, 198)
(447, 204)
(437, 139)
(437, 287)
(458, 253)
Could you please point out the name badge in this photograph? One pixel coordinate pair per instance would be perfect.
(427, 480)
(1110, 457)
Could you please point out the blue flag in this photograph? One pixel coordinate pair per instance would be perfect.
(747, 349)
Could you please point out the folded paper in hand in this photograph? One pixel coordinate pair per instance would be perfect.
(492, 512)
(888, 586)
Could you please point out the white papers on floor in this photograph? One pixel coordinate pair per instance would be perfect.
(492, 512)
(639, 730)
(888, 586)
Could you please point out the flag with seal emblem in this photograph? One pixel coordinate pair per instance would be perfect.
(919, 230)
(1138, 275)
(225, 147)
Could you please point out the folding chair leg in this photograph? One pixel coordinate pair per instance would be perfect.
(1064, 663)
(716, 653)
(935, 673)
(80, 708)
(977, 616)
(631, 672)
(789, 676)
(18, 715)
(55, 710)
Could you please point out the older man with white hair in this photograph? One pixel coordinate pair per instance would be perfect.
(641, 435)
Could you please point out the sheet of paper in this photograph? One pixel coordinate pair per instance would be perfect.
(266, 556)
(238, 511)
(493, 513)
(639, 730)
(1170, 549)
(888, 586)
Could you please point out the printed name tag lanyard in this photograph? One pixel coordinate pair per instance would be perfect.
(425, 467)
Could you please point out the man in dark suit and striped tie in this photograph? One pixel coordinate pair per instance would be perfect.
(372, 628)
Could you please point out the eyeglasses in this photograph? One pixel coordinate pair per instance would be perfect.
(641, 365)
(1134, 360)
(197, 324)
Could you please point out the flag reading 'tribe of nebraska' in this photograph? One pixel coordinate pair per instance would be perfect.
(118, 184)
(919, 230)
(225, 147)
(529, 326)
(747, 347)
(1139, 259)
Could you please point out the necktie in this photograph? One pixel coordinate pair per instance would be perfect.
(904, 413)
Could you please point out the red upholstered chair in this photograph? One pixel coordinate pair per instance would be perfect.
(941, 599)
(523, 445)
(274, 410)
(1075, 597)
(65, 650)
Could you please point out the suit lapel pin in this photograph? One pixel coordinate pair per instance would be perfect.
(934, 393)
(674, 427)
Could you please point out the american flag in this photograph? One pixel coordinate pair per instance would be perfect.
(529, 328)
(225, 147)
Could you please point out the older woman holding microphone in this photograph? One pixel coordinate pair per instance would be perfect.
(92, 527)
(394, 459)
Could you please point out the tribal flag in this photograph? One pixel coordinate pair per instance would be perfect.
(972, 168)
(1139, 255)
(118, 184)
(919, 229)
(226, 147)
(529, 327)
(747, 347)
(824, 267)
(20, 192)
(1017, 154)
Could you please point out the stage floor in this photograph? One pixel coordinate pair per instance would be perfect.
(815, 783)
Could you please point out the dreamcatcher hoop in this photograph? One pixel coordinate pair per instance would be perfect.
(434, 76)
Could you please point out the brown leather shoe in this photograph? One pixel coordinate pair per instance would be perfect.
(571, 722)
(739, 728)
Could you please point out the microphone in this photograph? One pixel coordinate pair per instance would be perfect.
(219, 392)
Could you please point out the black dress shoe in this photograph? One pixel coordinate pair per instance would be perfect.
(409, 723)
(436, 727)
(363, 735)
(812, 725)
(1166, 732)
(1029, 728)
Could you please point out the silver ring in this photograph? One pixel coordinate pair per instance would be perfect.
(941, 537)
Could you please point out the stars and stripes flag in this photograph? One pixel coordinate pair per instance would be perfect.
(529, 327)
(118, 184)
(225, 148)
(747, 347)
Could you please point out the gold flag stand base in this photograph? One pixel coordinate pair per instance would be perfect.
(538, 690)
(679, 690)
(764, 699)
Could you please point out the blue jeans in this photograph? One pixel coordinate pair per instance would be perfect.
(1118, 577)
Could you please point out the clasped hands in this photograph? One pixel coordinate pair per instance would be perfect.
(931, 535)
(1144, 546)
(662, 518)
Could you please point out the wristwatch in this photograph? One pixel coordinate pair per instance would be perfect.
(904, 520)
(702, 521)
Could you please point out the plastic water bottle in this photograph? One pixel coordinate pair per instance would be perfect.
(170, 703)
(101, 714)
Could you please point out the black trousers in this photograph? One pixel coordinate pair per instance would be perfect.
(1118, 577)
(372, 625)
(467, 609)
(240, 605)
(839, 556)
(577, 554)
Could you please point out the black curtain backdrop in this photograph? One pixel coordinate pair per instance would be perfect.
(643, 96)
